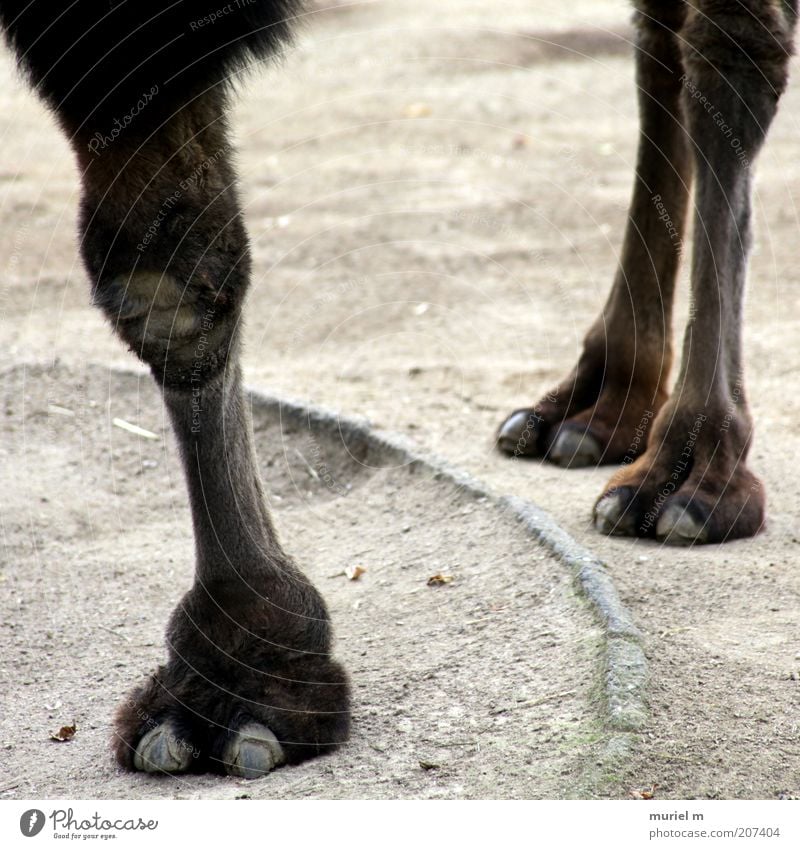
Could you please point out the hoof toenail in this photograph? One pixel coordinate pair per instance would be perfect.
(160, 750)
(253, 752)
(573, 449)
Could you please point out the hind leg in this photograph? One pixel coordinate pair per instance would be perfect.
(602, 411)
(692, 484)
(249, 681)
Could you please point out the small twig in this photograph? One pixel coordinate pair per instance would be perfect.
(115, 633)
(311, 470)
(536, 702)
(135, 429)
(57, 410)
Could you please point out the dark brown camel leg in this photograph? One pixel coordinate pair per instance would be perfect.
(692, 484)
(602, 412)
(249, 682)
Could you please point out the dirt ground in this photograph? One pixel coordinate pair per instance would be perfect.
(485, 686)
(436, 195)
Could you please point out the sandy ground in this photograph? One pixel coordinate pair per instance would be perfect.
(436, 195)
(487, 686)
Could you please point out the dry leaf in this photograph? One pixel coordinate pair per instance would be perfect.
(353, 573)
(440, 580)
(644, 793)
(65, 733)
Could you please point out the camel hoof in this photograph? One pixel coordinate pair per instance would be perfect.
(253, 752)
(160, 750)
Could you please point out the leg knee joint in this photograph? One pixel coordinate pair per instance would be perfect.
(745, 45)
(182, 331)
(736, 60)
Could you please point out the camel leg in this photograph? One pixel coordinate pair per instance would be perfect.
(692, 484)
(140, 89)
(249, 681)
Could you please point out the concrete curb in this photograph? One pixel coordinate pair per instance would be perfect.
(626, 666)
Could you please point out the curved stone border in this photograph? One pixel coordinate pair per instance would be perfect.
(626, 665)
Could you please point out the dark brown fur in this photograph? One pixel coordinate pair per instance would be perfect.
(165, 247)
(164, 244)
(710, 73)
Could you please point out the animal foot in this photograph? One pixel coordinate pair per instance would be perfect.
(690, 487)
(249, 685)
(610, 430)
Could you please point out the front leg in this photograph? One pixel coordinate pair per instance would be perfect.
(249, 681)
